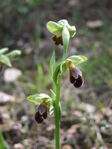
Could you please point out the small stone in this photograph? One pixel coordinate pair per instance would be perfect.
(51, 128)
(12, 74)
(5, 98)
(94, 24)
(66, 147)
(18, 146)
(87, 107)
(27, 143)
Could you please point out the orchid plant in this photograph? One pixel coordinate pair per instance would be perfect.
(62, 32)
(5, 57)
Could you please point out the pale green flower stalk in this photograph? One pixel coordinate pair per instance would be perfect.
(62, 33)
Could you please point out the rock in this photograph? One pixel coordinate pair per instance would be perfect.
(5, 98)
(12, 74)
(15, 131)
(51, 128)
(18, 146)
(66, 147)
(73, 129)
(87, 107)
(73, 3)
(94, 24)
(27, 143)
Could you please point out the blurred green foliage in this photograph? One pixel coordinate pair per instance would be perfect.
(3, 144)
(14, 15)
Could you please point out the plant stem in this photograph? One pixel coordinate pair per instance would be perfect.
(57, 115)
(64, 54)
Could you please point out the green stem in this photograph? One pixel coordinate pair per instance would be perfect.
(57, 115)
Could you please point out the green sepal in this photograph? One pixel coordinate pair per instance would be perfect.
(54, 28)
(40, 98)
(76, 59)
(14, 53)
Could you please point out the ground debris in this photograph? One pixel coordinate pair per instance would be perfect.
(5, 98)
(94, 24)
(12, 74)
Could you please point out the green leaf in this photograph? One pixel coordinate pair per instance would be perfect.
(14, 53)
(65, 37)
(5, 60)
(56, 73)
(3, 144)
(76, 59)
(59, 70)
(54, 28)
(3, 50)
(52, 63)
(39, 98)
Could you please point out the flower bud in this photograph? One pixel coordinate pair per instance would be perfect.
(57, 40)
(41, 113)
(76, 77)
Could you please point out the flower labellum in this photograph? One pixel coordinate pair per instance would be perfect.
(76, 77)
(41, 113)
(57, 40)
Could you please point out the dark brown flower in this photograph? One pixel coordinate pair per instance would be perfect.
(38, 117)
(57, 40)
(76, 77)
(41, 113)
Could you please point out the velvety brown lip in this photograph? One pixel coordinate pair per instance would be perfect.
(76, 77)
(57, 40)
(41, 113)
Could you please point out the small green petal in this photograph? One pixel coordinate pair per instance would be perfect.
(72, 30)
(63, 22)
